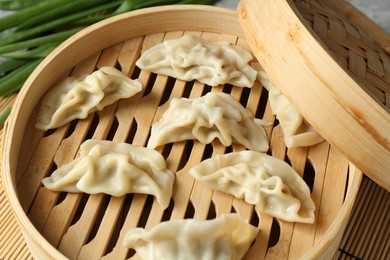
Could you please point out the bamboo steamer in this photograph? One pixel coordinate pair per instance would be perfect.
(78, 226)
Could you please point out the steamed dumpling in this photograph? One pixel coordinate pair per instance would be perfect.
(297, 132)
(75, 98)
(213, 116)
(262, 180)
(192, 58)
(224, 238)
(115, 169)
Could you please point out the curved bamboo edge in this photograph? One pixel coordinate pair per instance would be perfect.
(15, 126)
(311, 71)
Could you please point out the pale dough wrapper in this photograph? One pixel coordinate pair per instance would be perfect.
(115, 169)
(192, 58)
(75, 98)
(213, 116)
(297, 132)
(262, 180)
(224, 238)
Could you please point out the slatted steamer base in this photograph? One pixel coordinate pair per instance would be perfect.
(85, 226)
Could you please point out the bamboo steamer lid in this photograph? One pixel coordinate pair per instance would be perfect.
(334, 73)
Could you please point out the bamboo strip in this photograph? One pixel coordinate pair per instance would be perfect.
(4, 209)
(77, 234)
(376, 204)
(382, 248)
(300, 241)
(278, 150)
(9, 224)
(10, 242)
(333, 188)
(20, 251)
(359, 209)
(378, 227)
(366, 221)
(386, 251)
(15, 248)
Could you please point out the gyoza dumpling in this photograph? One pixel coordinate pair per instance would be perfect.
(115, 169)
(75, 98)
(224, 238)
(262, 180)
(213, 116)
(192, 58)
(297, 132)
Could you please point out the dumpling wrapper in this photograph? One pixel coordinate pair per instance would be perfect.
(115, 169)
(226, 237)
(297, 132)
(192, 58)
(213, 116)
(75, 98)
(262, 180)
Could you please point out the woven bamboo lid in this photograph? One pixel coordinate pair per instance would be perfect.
(335, 74)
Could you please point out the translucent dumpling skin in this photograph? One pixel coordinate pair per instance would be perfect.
(262, 180)
(224, 238)
(192, 58)
(213, 116)
(75, 98)
(115, 169)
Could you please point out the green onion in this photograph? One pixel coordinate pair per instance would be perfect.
(13, 81)
(16, 4)
(11, 64)
(4, 115)
(21, 16)
(60, 36)
(38, 52)
(22, 35)
(129, 5)
(126, 6)
(71, 7)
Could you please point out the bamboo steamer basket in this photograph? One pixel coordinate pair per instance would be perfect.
(79, 226)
